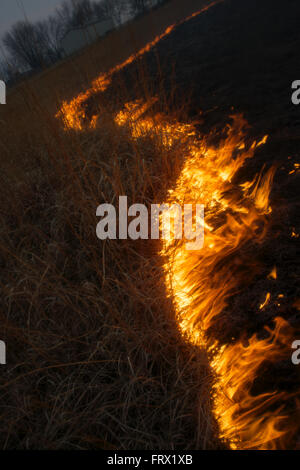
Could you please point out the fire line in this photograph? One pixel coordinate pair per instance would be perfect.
(73, 113)
(201, 282)
(200, 288)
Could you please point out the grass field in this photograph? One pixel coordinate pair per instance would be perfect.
(96, 355)
(95, 358)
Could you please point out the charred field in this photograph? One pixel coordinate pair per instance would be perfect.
(129, 344)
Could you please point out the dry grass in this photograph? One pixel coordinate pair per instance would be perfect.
(95, 358)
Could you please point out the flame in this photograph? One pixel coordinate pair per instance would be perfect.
(294, 234)
(73, 113)
(200, 282)
(267, 300)
(273, 274)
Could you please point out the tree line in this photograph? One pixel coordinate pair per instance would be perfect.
(32, 46)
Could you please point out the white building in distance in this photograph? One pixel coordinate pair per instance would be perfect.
(76, 39)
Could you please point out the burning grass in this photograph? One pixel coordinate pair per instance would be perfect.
(95, 358)
(136, 344)
(99, 359)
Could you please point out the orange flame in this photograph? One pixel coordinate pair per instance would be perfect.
(273, 274)
(266, 301)
(200, 282)
(73, 114)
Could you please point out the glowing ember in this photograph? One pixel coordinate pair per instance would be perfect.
(273, 274)
(267, 300)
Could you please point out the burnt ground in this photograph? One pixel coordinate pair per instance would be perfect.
(242, 56)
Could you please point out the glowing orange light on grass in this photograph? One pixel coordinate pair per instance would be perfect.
(73, 113)
(201, 282)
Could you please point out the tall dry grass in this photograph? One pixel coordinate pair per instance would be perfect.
(94, 355)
